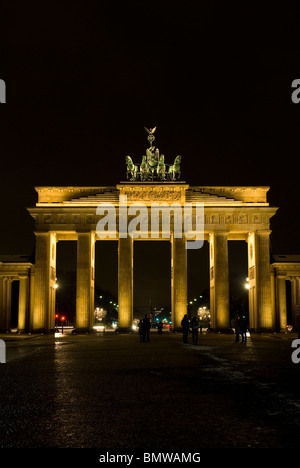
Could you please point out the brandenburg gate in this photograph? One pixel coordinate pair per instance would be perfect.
(72, 213)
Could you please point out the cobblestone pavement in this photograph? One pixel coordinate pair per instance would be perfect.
(111, 391)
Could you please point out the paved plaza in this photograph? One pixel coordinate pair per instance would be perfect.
(107, 390)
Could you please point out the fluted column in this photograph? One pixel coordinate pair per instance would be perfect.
(45, 274)
(178, 281)
(125, 282)
(85, 282)
(5, 303)
(219, 280)
(23, 303)
(8, 304)
(266, 319)
(294, 300)
(261, 312)
(2, 292)
(297, 308)
(297, 291)
(31, 299)
(281, 303)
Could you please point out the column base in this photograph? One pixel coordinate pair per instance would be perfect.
(41, 331)
(260, 331)
(83, 331)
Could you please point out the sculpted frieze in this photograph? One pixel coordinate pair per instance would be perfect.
(47, 219)
(76, 219)
(154, 195)
(61, 219)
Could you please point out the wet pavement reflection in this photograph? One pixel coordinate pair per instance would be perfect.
(112, 391)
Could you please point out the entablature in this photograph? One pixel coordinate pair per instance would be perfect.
(149, 192)
(233, 220)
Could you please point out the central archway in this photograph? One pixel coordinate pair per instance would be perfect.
(152, 279)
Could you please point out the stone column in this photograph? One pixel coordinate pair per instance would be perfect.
(8, 304)
(125, 283)
(297, 309)
(23, 304)
(261, 313)
(253, 325)
(273, 294)
(5, 303)
(219, 280)
(45, 274)
(31, 299)
(297, 291)
(2, 290)
(294, 301)
(178, 281)
(266, 320)
(85, 282)
(281, 303)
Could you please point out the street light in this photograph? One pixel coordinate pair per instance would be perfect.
(62, 324)
(247, 285)
(56, 317)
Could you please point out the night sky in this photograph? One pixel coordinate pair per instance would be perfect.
(84, 78)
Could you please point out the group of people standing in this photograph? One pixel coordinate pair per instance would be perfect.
(186, 324)
(194, 325)
(144, 329)
(240, 326)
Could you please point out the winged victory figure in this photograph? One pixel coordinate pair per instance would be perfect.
(151, 131)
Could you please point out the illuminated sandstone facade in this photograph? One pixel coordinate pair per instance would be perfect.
(70, 213)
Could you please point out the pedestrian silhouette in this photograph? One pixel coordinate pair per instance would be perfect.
(141, 329)
(237, 326)
(244, 323)
(160, 326)
(146, 328)
(185, 328)
(195, 326)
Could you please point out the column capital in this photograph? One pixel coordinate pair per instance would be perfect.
(214, 234)
(44, 233)
(263, 232)
(217, 232)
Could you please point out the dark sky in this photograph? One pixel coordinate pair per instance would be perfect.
(84, 78)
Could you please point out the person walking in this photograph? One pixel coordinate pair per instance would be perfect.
(195, 326)
(160, 327)
(237, 327)
(146, 327)
(141, 329)
(244, 323)
(185, 328)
